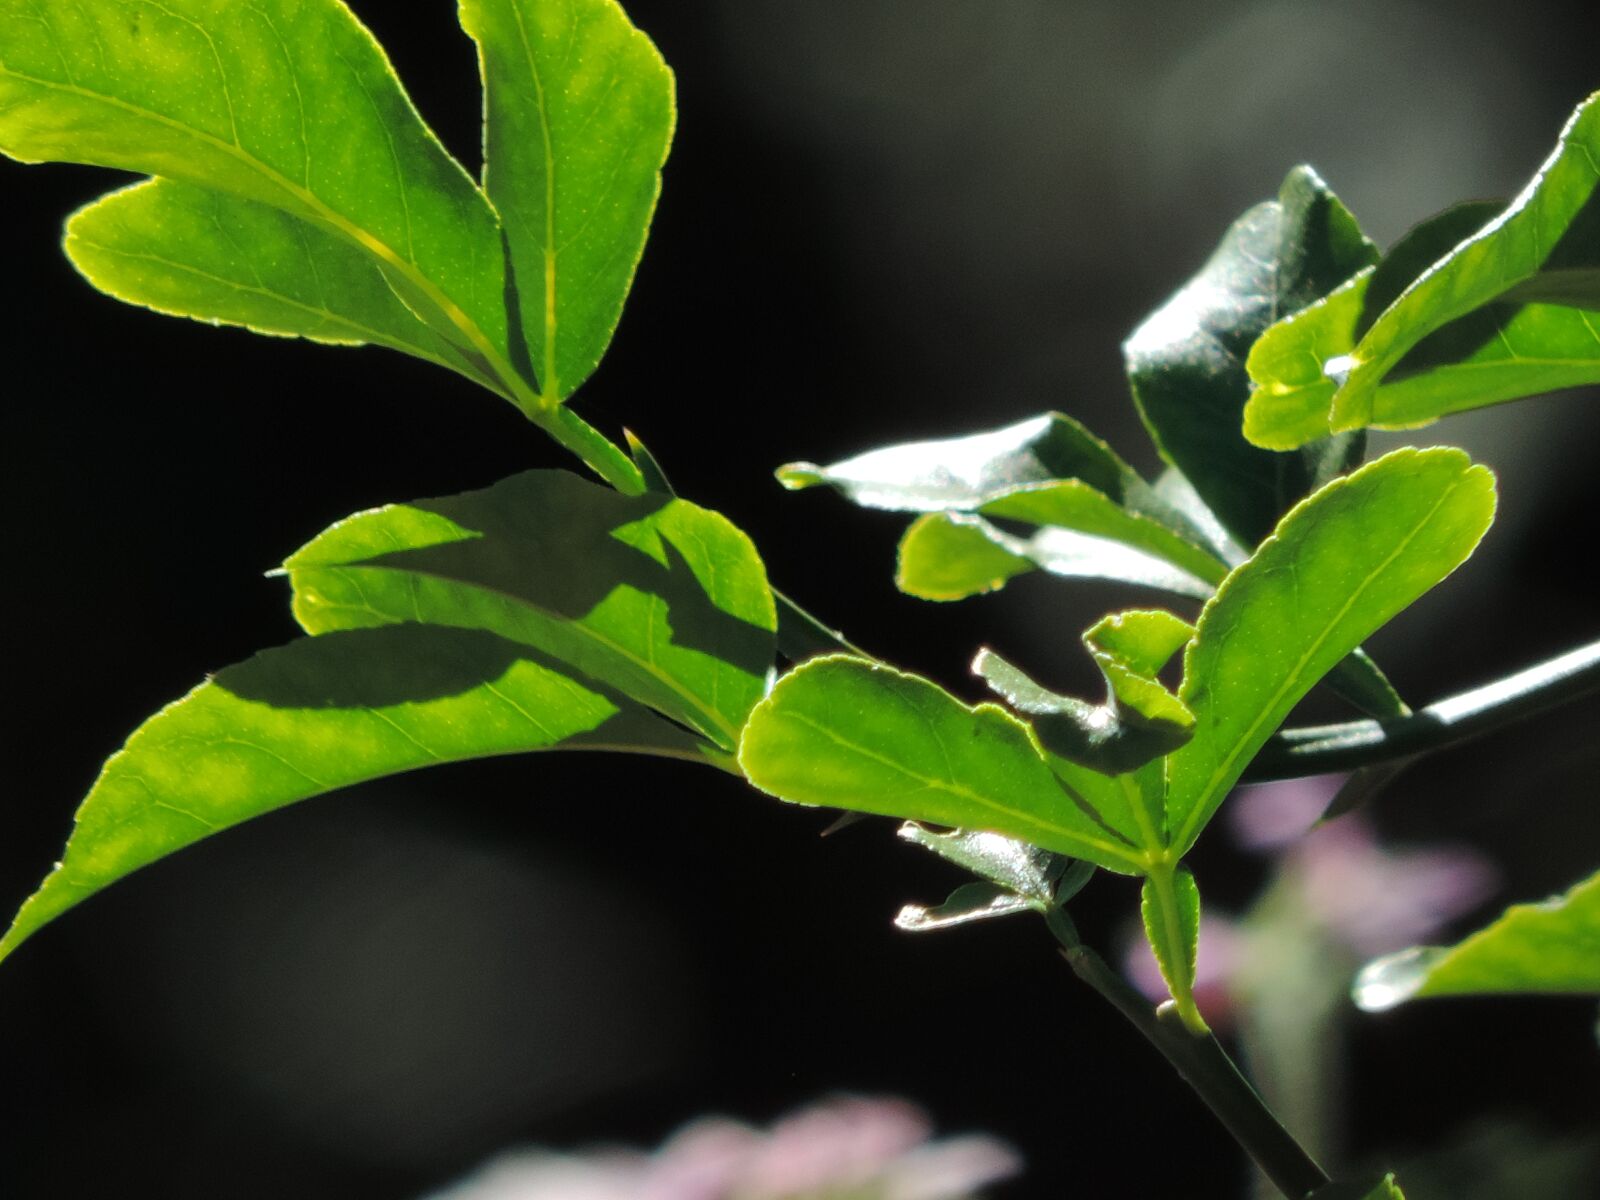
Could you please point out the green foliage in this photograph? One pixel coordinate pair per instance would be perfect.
(321, 714)
(1504, 310)
(1186, 361)
(579, 115)
(1337, 568)
(295, 191)
(1553, 947)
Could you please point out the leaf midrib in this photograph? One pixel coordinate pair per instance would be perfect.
(478, 340)
(1225, 767)
(955, 789)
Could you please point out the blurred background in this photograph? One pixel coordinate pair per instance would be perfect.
(882, 220)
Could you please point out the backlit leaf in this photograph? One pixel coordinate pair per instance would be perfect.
(321, 714)
(1551, 947)
(846, 733)
(656, 597)
(1338, 567)
(578, 117)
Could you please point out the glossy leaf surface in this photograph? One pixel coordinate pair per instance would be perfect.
(578, 118)
(656, 597)
(287, 102)
(196, 252)
(1015, 866)
(1139, 721)
(1553, 947)
(1338, 567)
(950, 556)
(1547, 239)
(1186, 362)
(850, 734)
(971, 902)
(322, 714)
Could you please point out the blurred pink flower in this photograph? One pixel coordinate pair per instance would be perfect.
(863, 1149)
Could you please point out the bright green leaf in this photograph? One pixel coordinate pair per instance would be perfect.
(322, 714)
(1186, 362)
(578, 118)
(1338, 567)
(656, 597)
(846, 733)
(1169, 903)
(195, 252)
(1553, 947)
(287, 102)
(1546, 239)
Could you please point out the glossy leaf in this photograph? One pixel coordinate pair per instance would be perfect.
(195, 252)
(950, 556)
(1552, 947)
(969, 903)
(578, 117)
(1139, 721)
(1548, 239)
(1015, 866)
(1169, 904)
(1186, 362)
(287, 102)
(846, 733)
(1338, 567)
(656, 597)
(322, 714)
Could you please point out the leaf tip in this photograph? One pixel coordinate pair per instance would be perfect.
(799, 475)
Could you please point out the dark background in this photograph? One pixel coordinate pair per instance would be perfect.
(881, 220)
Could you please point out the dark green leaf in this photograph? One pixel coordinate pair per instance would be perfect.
(1140, 719)
(196, 252)
(851, 734)
(322, 714)
(1553, 947)
(656, 597)
(578, 117)
(1549, 233)
(1186, 362)
(287, 102)
(1337, 568)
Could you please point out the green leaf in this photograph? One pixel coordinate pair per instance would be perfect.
(578, 118)
(1548, 948)
(1139, 721)
(1338, 567)
(195, 252)
(1016, 867)
(856, 735)
(656, 597)
(322, 714)
(1503, 351)
(287, 102)
(1169, 903)
(1186, 362)
(1547, 239)
(950, 556)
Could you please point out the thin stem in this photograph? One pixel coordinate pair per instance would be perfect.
(1319, 749)
(1203, 1064)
